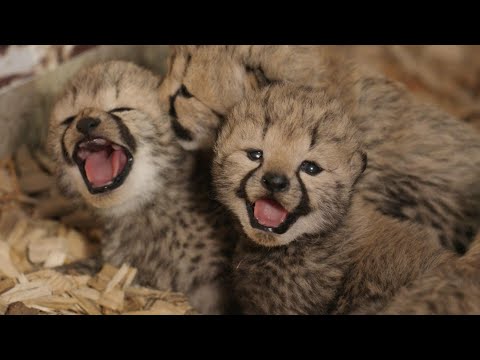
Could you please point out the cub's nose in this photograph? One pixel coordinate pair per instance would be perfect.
(275, 182)
(86, 125)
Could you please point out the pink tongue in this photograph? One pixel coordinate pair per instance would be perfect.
(269, 212)
(102, 169)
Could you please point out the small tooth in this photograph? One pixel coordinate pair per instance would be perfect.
(99, 141)
(116, 147)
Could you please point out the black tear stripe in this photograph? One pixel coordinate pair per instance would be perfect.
(314, 135)
(172, 62)
(125, 133)
(187, 63)
(68, 121)
(67, 158)
(74, 92)
(266, 126)
(241, 191)
(117, 88)
(304, 207)
(181, 132)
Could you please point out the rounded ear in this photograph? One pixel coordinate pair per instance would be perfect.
(358, 164)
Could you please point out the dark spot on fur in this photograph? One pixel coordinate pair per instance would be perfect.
(181, 132)
(261, 78)
(240, 192)
(459, 247)
(199, 246)
(196, 259)
(314, 135)
(125, 133)
(266, 125)
(66, 157)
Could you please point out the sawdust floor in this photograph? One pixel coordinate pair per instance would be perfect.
(40, 230)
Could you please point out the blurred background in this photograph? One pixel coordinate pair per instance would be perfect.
(41, 229)
(31, 75)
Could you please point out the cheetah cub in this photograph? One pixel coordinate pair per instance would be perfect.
(451, 289)
(287, 164)
(114, 147)
(437, 187)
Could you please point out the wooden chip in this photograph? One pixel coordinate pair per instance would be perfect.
(6, 284)
(112, 300)
(7, 268)
(132, 272)
(43, 309)
(60, 283)
(55, 258)
(77, 246)
(143, 292)
(39, 249)
(80, 280)
(10, 219)
(31, 235)
(101, 280)
(117, 278)
(54, 302)
(88, 305)
(42, 275)
(24, 292)
(87, 293)
(57, 282)
(3, 307)
(18, 231)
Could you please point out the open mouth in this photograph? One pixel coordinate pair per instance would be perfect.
(269, 215)
(103, 164)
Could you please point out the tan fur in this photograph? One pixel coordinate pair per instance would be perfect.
(160, 219)
(451, 289)
(341, 253)
(391, 124)
(220, 76)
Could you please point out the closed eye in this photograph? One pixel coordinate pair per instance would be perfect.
(120, 109)
(68, 120)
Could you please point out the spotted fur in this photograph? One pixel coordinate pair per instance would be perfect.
(341, 252)
(161, 220)
(424, 164)
(451, 289)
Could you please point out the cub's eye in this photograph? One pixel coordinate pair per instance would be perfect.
(255, 155)
(310, 168)
(68, 120)
(184, 92)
